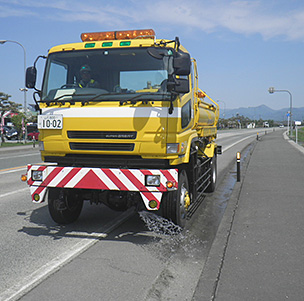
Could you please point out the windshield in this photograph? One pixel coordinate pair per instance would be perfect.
(115, 73)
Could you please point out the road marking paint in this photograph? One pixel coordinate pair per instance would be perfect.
(13, 192)
(235, 143)
(32, 280)
(12, 169)
(19, 156)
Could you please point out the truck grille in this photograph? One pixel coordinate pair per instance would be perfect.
(101, 135)
(127, 147)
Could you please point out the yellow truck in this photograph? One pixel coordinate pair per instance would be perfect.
(122, 122)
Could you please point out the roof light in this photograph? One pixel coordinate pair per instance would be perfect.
(125, 43)
(89, 45)
(118, 35)
(98, 36)
(107, 44)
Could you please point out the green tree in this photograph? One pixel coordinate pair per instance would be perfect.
(17, 121)
(4, 97)
(3, 102)
(7, 105)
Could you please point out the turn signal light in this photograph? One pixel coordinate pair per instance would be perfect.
(171, 184)
(23, 178)
(118, 35)
(201, 94)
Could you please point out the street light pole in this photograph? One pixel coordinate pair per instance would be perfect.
(24, 52)
(272, 90)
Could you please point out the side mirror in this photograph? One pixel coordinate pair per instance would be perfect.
(182, 63)
(178, 85)
(182, 85)
(30, 78)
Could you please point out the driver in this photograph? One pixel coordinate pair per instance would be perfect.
(86, 81)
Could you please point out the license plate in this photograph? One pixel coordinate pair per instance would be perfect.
(50, 122)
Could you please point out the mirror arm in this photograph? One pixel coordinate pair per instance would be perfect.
(37, 108)
(43, 57)
(40, 56)
(176, 43)
(37, 90)
(173, 95)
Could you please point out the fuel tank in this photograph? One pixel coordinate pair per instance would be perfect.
(207, 115)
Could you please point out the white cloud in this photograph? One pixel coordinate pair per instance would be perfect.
(263, 17)
(6, 12)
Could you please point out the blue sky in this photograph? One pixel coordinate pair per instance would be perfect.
(242, 47)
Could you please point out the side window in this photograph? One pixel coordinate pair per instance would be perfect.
(186, 114)
(192, 76)
(57, 76)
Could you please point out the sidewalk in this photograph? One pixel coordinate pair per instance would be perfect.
(258, 252)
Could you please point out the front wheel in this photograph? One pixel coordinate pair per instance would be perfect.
(176, 203)
(65, 205)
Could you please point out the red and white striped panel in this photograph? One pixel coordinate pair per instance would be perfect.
(101, 178)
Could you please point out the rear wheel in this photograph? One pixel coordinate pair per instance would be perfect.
(65, 205)
(176, 203)
(213, 174)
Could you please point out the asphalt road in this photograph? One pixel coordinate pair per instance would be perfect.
(105, 253)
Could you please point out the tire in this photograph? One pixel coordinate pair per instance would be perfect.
(213, 174)
(175, 203)
(65, 205)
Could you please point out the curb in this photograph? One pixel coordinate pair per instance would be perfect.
(295, 145)
(210, 276)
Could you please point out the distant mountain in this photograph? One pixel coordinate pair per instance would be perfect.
(263, 112)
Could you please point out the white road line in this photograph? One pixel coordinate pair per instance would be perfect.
(13, 192)
(17, 168)
(237, 142)
(13, 170)
(19, 156)
(32, 280)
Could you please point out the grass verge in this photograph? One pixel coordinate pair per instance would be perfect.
(10, 144)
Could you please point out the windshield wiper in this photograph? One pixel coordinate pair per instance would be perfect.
(112, 97)
(137, 97)
(134, 99)
(63, 101)
(104, 94)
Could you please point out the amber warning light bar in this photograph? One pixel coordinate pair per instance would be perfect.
(118, 35)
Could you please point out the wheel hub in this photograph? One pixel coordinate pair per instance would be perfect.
(184, 202)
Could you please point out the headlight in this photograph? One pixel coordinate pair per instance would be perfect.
(37, 175)
(152, 180)
(172, 148)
